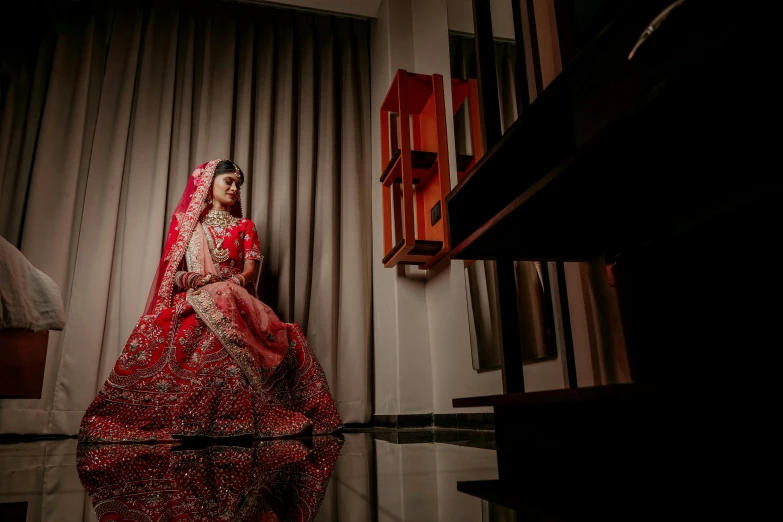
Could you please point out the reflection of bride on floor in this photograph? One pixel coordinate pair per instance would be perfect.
(208, 358)
(270, 481)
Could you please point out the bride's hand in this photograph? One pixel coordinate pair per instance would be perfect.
(207, 279)
(238, 280)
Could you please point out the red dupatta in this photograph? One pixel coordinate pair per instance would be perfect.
(189, 210)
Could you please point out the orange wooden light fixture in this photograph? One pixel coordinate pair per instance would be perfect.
(415, 179)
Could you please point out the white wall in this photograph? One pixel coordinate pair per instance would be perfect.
(422, 343)
(403, 367)
(447, 307)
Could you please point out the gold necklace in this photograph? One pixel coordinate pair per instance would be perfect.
(219, 221)
(219, 218)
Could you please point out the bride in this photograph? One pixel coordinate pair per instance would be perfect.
(208, 358)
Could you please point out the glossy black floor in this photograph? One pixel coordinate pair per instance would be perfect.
(362, 475)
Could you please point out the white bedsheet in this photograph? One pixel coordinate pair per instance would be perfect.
(29, 299)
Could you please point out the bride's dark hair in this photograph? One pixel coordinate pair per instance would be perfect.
(226, 166)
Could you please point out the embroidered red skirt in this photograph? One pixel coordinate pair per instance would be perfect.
(175, 378)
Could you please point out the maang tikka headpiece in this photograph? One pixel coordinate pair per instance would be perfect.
(237, 171)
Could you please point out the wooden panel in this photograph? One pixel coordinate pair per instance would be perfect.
(408, 227)
(387, 218)
(422, 252)
(599, 455)
(397, 203)
(13, 511)
(416, 170)
(385, 151)
(428, 125)
(423, 167)
(417, 133)
(430, 195)
(444, 174)
(391, 102)
(566, 163)
(419, 91)
(22, 363)
(422, 223)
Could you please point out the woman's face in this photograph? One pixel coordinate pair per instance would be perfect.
(225, 190)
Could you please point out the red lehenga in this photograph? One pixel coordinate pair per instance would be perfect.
(213, 362)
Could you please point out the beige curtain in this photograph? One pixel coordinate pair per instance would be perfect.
(129, 99)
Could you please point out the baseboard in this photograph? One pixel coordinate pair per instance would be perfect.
(466, 421)
(471, 438)
(463, 421)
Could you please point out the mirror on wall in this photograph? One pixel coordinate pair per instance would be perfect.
(535, 305)
(533, 280)
(462, 51)
(491, 512)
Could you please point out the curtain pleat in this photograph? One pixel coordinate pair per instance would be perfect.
(103, 122)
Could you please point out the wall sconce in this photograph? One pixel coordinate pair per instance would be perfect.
(415, 179)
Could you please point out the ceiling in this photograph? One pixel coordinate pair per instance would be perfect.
(363, 8)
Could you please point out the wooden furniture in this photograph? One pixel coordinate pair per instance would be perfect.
(13, 511)
(23, 355)
(654, 161)
(415, 179)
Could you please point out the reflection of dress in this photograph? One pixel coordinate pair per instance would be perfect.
(213, 362)
(271, 480)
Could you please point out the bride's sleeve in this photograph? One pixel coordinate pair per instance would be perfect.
(252, 247)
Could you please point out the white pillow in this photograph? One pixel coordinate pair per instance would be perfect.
(29, 299)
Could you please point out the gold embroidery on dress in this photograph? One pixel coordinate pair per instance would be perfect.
(228, 336)
(192, 257)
